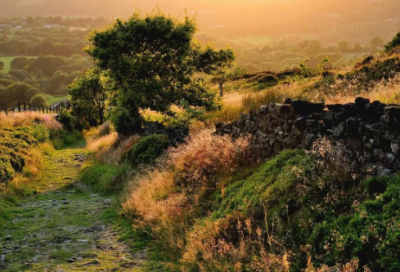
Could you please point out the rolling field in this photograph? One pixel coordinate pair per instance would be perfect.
(51, 99)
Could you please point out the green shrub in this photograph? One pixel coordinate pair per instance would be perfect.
(40, 132)
(268, 80)
(105, 178)
(67, 119)
(39, 100)
(371, 234)
(147, 150)
(62, 138)
(393, 43)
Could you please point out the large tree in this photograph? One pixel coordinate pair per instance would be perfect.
(89, 96)
(152, 61)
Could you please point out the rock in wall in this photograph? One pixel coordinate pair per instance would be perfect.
(363, 137)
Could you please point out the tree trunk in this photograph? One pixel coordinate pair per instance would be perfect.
(101, 115)
(221, 85)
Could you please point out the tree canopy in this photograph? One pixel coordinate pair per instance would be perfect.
(152, 61)
(89, 96)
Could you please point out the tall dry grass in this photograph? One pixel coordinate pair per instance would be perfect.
(96, 144)
(385, 91)
(114, 154)
(27, 119)
(110, 148)
(208, 249)
(165, 198)
(32, 172)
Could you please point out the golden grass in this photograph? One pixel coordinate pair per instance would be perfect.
(113, 154)
(107, 141)
(385, 91)
(27, 119)
(165, 196)
(32, 172)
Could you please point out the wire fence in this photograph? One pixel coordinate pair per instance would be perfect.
(15, 107)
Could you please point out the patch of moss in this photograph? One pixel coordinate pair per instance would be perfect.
(14, 148)
(271, 184)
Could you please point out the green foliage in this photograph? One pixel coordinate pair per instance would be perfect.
(66, 119)
(62, 138)
(371, 234)
(151, 60)
(39, 100)
(40, 132)
(309, 72)
(18, 91)
(89, 97)
(270, 185)
(393, 43)
(147, 150)
(107, 179)
(14, 145)
(71, 122)
(210, 61)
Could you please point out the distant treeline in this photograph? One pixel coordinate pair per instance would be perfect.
(84, 22)
(46, 35)
(43, 75)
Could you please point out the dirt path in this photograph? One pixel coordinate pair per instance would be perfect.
(62, 229)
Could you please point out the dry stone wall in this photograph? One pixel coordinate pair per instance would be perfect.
(362, 137)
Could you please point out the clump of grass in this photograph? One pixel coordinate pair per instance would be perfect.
(165, 198)
(116, 153)
(96, 144)
(27, 119)
(107, 179)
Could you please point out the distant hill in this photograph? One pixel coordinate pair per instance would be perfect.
(293, 20)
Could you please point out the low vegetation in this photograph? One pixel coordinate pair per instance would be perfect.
(208, 205)
(205, 203)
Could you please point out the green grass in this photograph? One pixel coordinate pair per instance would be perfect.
(7, 61)
(51, 99)
(104, 178)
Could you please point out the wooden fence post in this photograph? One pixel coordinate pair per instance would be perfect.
(24, 106)
(6, 108)
(19, 107)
